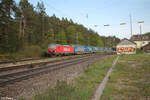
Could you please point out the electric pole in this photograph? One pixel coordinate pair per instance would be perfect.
(131, 24)
(77, 37)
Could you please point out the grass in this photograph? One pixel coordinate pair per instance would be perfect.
(83, 87)
(130, 79)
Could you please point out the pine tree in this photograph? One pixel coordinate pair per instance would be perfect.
(42, 14)
(31, 26)
(50, 37)
(61, 37)
(7, 9)
(27, 16)
(71, 34)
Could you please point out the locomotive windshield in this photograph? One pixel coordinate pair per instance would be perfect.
(52, 46)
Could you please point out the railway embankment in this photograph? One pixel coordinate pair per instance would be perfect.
(129, 80)
(35, 60)
(80, 86)
(36, 80)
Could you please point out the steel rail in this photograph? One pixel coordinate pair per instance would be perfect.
(32, 72)
(33, 69)
(2, 69)
(11, 61)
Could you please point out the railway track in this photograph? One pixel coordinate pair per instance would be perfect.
(14, 67)
(12, 61)
(22, 60)
(11, 78)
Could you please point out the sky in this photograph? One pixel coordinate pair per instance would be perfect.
(100, 12)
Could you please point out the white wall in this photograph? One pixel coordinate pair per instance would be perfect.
(126, 51)
(141, 43)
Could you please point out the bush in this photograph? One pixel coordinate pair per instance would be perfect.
(138, 51)
(30, 51)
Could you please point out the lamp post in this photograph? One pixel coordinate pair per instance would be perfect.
(105, 25)
(140, 26)
(130, 24)
(130, 16)
(122, 23)
(77, 38)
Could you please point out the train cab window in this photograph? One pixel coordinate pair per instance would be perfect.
(52, 46)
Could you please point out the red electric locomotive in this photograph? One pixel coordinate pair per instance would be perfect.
(57, 49)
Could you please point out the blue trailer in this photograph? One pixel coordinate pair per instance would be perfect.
(98, 49)
(86, 49)
(93, 49)
(90, 49)
(79, 49)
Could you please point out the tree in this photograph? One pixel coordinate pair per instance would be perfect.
(80, 38)
(22, 25)
(50, 36)
(110, 41)
(71, 34)
(7, 12)
(27, 17)
(61, 37)
(42, 14)
(148, 33)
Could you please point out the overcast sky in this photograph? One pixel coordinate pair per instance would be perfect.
(102, 12)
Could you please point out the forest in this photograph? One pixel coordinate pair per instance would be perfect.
(24, 27)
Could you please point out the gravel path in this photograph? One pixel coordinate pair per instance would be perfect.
(101, 87)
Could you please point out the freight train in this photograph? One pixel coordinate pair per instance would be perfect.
(58, 49)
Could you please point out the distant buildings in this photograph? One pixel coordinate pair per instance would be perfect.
(141, 40)
(146, 48)
(137, 41)
(126, 47)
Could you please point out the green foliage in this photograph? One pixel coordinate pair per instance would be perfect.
(148, 33)
(23, 25)
(30, 51)
(7, 8)
(61, 37)
(110, 41)
(80, 38)
(50, 36)
(138, 51)
(71, 34)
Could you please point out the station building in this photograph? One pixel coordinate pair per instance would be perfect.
(126, 47)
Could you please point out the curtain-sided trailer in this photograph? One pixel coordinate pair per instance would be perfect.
(79, 49)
